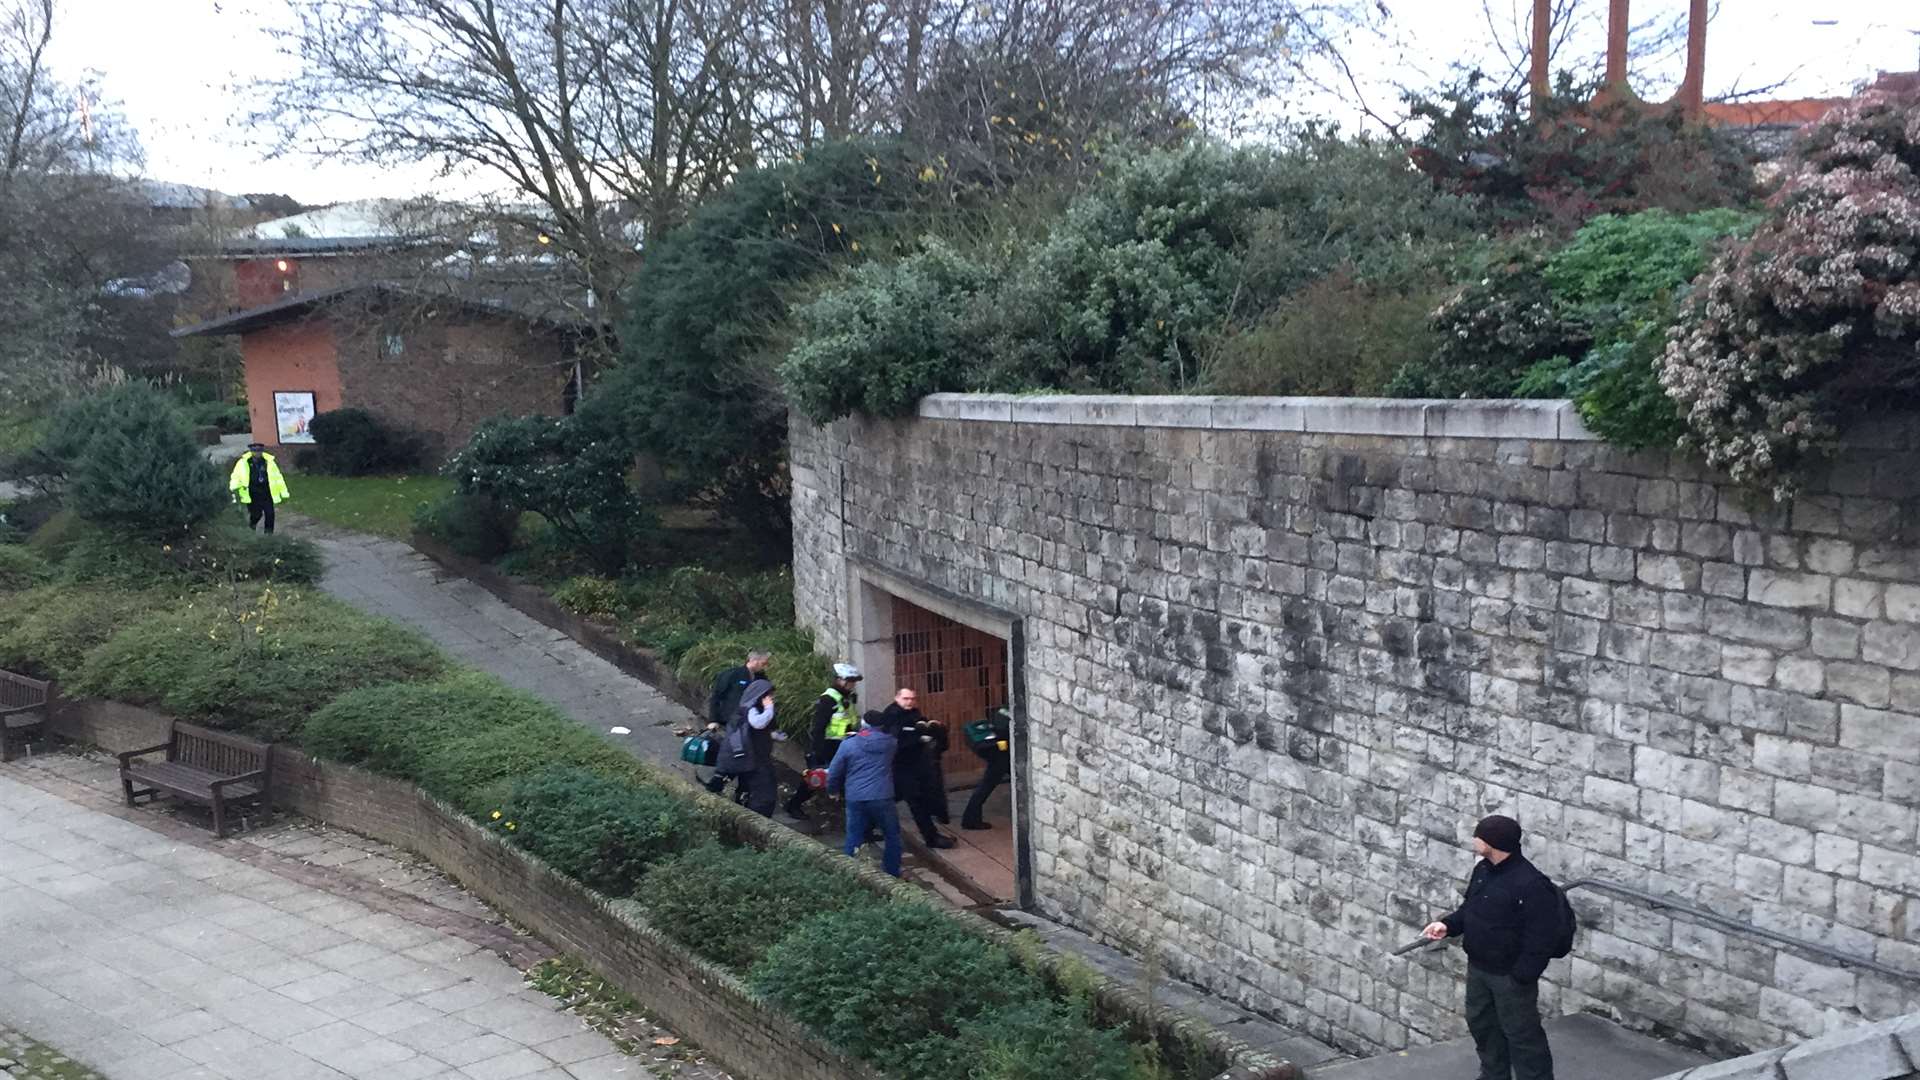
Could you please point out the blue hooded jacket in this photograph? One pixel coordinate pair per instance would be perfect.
(863, 766)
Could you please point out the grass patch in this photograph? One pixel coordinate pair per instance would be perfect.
(381, 505)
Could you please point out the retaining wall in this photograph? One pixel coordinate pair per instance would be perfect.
(1280, 653)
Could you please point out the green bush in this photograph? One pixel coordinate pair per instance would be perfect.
(799, 674)
(731, 904)
(354, 442)
(1338, 336)
(590, 597)
(893, 987)
(475, 769)
(704, 312)
(602, 831)
(1046, 1040)
(228, 418)
(21, 568)
(476, 526)
(25, 516)
(57, 534)
(50, 631)
(141, 471)
(1490, 333)
(889, 334)
(253, 660)
(1626, 263)
(394, 727)
(571, 471)
(220, 552)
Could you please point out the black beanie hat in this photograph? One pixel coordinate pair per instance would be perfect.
(1501, 833)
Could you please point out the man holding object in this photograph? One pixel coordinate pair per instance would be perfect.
(1511, 919)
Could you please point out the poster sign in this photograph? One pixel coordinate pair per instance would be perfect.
(293, 411)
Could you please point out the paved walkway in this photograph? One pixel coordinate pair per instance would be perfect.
(145, 949)
(386, 577)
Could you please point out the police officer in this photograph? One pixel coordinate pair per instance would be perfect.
(256, 484)
(916, 761)
(834, 718)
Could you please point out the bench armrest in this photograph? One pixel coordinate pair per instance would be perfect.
(257, 774)
(126, 756)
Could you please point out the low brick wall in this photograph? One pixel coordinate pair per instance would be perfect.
(691, 995)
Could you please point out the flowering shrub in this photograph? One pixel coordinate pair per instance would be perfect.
(1816, 319)
(1490, 333)
(570, 471)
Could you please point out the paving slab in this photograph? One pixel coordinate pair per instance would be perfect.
(282, 966)
(1584, 1048)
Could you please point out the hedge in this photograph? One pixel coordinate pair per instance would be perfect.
(603, 832)
(730, 904)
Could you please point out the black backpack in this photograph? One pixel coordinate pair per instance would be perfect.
(1569, 925)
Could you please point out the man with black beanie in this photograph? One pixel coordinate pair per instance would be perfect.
(1511, 919)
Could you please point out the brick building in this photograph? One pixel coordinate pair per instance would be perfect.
(435, 358)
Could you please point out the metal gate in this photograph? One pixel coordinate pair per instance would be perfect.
(959, 672)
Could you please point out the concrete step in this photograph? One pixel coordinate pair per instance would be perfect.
(1584, 1048)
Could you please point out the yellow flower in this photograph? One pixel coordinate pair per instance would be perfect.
(509, 825)
(836, 228)
(855, 246)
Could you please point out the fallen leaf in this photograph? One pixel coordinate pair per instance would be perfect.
(667, 1040)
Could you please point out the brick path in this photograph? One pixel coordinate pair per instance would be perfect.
(23, 1058)
(386, 577)
(149, 951)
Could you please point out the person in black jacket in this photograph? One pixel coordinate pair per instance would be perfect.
(999, 765)
(1511, 918)
(724, 702)
(922, 741)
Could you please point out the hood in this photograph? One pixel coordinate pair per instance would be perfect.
(757, 689)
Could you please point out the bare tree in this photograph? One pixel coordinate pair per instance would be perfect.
(592, 123)
(68, 224)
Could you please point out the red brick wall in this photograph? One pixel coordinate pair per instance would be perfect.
(453, 372)
(293, 356)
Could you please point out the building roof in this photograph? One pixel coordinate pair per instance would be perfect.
(536, 306)
(255, 246)
(1793, 112)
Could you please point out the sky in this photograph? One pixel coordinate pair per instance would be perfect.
(181, 69)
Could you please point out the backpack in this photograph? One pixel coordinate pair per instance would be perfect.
(1567, 927)
(700, 750)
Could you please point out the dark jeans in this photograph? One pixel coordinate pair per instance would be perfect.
(996, 774)
(865, 814)
(1504, 1016)
(260, 507)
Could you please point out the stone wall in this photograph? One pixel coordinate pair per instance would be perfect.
(1280, 653)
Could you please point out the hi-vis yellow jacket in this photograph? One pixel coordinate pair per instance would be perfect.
(237, 481)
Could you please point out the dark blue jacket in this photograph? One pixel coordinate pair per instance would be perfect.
(863, 766)
(1511, 917)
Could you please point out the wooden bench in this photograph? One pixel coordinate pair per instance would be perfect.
(23, 712)
(211, 768)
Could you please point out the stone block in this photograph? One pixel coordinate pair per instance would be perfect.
(1868, 1053)
(1259, 413)
(1893, 644)
(1099, 409)
(967, 407)
(1363, 416)
(1790, 590)
(1495, 419)
(1175, 410)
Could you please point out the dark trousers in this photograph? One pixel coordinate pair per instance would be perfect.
(1504, 1016)
(865, 814)
(760, 790)
(920, 805)
(261, 507)
(996, 774)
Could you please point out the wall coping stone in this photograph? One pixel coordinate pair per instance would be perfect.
(1886, 1050)
(1420, 417)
